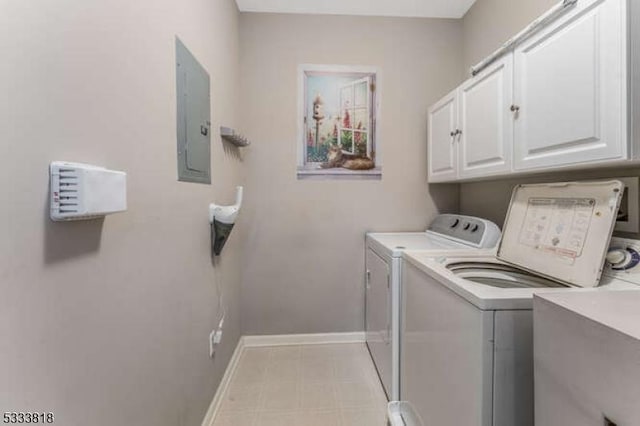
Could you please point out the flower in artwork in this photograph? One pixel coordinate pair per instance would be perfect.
(357, 137)
(346, 121)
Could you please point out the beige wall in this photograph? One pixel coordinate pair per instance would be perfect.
(107, 322)
(491, 199)
(487, 25)
(305, 246)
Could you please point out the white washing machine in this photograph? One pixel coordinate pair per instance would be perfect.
(467, 328)
(447, 234)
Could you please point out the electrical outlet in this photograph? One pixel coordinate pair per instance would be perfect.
(212, 344)
(217, 337)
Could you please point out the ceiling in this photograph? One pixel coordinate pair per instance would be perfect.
(406, 8)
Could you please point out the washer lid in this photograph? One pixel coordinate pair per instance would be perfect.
(561, 230)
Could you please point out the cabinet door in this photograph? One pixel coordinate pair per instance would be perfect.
(486, 121)
(570, 88)
(442, 146)
(378, 316)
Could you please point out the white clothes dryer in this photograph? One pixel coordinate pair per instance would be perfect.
(447, 234)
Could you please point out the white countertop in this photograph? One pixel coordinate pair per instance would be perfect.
(618, 310)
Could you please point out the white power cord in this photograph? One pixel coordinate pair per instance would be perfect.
(221, 308)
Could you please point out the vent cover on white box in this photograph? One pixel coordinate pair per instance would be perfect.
(83, 191)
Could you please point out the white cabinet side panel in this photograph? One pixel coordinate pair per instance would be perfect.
(584, 371)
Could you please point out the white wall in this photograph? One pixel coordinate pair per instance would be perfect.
(106, 322)
(305, 248)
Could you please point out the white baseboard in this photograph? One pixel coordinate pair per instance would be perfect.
(304, 339)
(272, 340)
(210, 417)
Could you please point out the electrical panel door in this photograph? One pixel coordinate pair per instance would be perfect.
(193, 117)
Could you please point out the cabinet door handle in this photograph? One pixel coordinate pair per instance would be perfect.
(515, 108)
(453, 133)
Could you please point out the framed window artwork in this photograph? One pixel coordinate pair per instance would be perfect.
(338, 109)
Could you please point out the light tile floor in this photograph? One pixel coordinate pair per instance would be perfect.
(309, 385)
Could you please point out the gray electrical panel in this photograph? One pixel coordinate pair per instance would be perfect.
(193, 118)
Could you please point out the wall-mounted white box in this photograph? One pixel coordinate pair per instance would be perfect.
(83, 191)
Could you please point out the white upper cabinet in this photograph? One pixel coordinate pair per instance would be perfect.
(486, 122)
(442, 146)
(570, 94)
(559, 99)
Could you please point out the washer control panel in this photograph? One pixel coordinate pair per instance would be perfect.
(623, 259)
